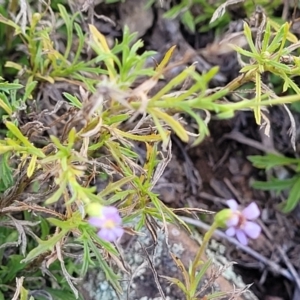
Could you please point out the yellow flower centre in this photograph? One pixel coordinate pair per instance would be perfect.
(109, 224)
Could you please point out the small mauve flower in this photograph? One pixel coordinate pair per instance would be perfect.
(240, 223)
(109, 223)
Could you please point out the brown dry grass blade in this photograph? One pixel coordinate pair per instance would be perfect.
(153, 272)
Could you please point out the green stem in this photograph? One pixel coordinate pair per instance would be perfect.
(199, 254)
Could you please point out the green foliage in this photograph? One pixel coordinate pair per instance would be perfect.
(184, 9)
(189, 285)
(268, 55)
(198, 13)
(8, 97)
(279, 185)
(122, 61)
(13, 268)
(6, 179)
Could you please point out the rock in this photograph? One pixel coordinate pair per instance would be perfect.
(134, 14)
(143, 283)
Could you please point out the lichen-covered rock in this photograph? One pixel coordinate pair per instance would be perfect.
(147, 261)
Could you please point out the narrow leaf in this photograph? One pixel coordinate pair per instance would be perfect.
(273, 184)
(142, 138)
(44, 246)
(175, 125)
(166, 59)
(4, 106)
(17, 133)
(294, 197)
(256, 109)
(113, 187)
(31, 166)
(248, 34)
(199, 276)
(55, 197)
(101, 42)
(175, 281)
(271, 160)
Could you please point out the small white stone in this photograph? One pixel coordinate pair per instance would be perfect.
(175, 232)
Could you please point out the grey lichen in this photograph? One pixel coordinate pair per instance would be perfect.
(142, 285)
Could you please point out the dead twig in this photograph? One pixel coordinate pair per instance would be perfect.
(19, 287)
(212, 198)
(233, 190)
(239, 137)
(33, 207)
(283, 256)
(191, 172)
(151, 266)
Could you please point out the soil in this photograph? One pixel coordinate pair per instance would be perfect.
(225, 173)
(228, 163)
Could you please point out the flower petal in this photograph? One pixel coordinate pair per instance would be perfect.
(241, 236)
(119, 231)
(230, 231)
(233, 220)
(95, 221)
(116, 219)
(109, 210)
(251, 212)
(110, 213)
(107, 235)
(110, 234)
(252, 229)
(232, 204)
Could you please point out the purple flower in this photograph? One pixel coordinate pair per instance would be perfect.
(109, 223)
(240, 223)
